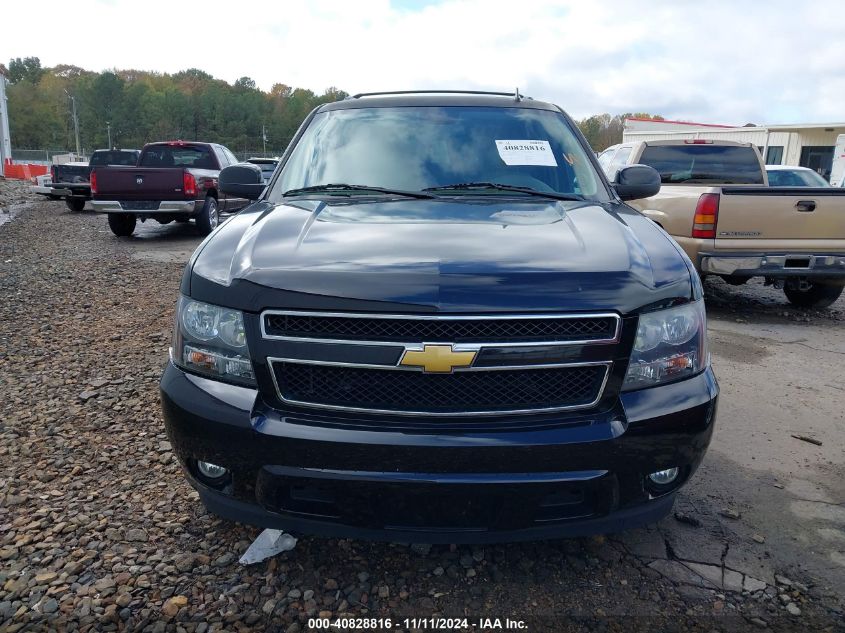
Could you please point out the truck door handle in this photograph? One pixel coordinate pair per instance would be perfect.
(806, 205)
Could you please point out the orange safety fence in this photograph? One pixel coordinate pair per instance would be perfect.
(26, 171)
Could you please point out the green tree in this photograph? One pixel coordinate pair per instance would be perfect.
(28, 69)
(604, 130)
(142, 106)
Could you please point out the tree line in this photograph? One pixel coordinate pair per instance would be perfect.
(137, 107)
(604, 130)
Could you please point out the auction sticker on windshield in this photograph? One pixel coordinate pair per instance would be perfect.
(526, 153)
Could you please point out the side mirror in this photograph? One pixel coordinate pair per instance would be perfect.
(636, 181)
(243, 180)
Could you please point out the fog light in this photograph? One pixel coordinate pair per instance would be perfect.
(664, 477)
(212, 471)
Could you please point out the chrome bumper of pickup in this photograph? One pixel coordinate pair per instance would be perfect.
(797, 264)
(165, 206)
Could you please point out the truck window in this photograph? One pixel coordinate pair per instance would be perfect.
(114, 158)
(230, 156)
(619, 161)
(196, 156)
(415, 148)
(700, 163)
(221, 155)
(605, 158)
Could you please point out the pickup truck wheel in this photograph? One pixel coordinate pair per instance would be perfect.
(209, 217)
(817, 295)
(75, 204)
(122, 224)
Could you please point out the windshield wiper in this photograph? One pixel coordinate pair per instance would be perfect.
(469, 186)
(341, 187)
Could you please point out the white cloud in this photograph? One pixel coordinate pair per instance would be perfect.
(719, 61)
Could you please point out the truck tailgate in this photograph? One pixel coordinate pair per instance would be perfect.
(139, 183)
(800, 218)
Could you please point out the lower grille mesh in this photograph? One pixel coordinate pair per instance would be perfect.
(457, 393)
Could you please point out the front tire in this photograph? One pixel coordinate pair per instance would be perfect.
(209, 217)
(75, 204)
(817, 295)
(122, 224)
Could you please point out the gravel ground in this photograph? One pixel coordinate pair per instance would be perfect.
(100, 532)
(13, 194)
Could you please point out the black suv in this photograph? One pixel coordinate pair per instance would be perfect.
(439, 322)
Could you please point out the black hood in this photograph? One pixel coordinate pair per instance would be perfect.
(444, 255)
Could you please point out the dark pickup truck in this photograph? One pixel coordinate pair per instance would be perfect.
(71, 181)
(173, 181)
(440, 322)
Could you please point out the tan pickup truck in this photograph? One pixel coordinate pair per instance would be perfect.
(716, 202)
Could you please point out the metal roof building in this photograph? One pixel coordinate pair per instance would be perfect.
(808, 145)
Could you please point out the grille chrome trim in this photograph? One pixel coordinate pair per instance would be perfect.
(443, 317)
(606, 364)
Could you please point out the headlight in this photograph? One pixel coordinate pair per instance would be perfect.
(670, 345)
(211, 340)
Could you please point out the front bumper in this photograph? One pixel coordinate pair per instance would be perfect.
(165, 206)
(583, 474)
(774, 265)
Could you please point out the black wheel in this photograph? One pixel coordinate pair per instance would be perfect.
(209, 217)
(122, 224)
(75, 204)
(815, 295)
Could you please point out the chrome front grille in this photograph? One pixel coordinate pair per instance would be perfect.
(505, 364)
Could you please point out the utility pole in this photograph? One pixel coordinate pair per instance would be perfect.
(75, 123)
(108, 129)
(264, 138)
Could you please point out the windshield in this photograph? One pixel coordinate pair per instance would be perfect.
(114, 157)
(795, 178)
(417, 148)
(700, 163)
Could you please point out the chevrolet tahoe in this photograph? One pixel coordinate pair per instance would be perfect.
(439, 322)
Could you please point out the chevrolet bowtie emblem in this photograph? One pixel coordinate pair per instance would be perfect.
(437, 359)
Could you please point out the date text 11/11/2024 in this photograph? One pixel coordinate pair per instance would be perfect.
(430, 624)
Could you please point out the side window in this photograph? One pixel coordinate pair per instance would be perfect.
(619, 161)
(221, 157)
(621, 158)
(230, 156)
(605, 157)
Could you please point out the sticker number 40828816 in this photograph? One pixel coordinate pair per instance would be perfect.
(526, 153)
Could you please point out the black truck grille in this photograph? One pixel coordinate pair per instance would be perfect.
(452, 330)
(462, 392)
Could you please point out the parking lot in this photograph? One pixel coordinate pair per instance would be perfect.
(99, 530)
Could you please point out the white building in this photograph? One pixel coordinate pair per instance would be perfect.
(808, 145)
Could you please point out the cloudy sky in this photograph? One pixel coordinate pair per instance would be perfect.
(725, 62)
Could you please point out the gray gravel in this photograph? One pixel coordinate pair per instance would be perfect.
(99, 531)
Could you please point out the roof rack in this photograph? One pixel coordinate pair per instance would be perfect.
(516, 95)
